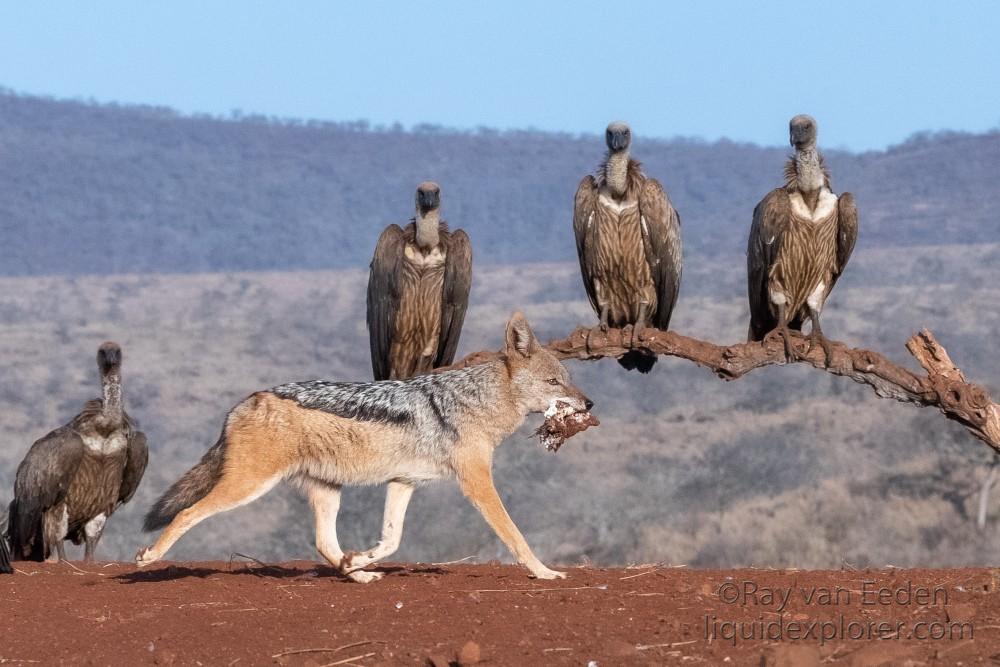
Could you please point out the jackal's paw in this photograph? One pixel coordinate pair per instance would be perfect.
(145, 556)
(355, 560)
(365, 577)
(546, 573)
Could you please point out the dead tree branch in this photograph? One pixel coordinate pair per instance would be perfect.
(943, 386)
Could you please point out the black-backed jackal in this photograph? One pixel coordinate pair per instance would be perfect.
(324, 435)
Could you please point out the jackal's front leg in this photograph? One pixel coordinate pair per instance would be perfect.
(476, 479)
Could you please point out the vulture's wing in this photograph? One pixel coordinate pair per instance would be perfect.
(137, 457)
(42, 481)
(383, 297)
(770, 220)
(847, 231)
(661, 238)
(584, 211)
(455, 294)
(5, 567)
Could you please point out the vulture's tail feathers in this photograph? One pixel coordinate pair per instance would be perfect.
(189, 489)
(633, 360)
(24, 532)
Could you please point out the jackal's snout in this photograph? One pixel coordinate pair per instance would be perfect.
(576, 398)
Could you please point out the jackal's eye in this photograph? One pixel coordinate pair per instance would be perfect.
(553, 381)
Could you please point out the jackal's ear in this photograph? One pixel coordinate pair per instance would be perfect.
(520, 339)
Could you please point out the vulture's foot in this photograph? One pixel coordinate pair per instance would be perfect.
(786, 337)
(602, 319)
(816, 337)
(590, 339)
(638, 330)
(639, 327)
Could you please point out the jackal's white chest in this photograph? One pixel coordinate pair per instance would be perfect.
(105, 446)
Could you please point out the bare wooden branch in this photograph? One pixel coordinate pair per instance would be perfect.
(943, 386)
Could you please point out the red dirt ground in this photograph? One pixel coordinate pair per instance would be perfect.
(299, 613)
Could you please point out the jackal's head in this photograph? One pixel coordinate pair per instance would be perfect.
(538, 379)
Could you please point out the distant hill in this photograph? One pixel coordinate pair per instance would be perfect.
(92, 189)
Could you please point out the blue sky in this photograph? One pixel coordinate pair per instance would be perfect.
(872, 72)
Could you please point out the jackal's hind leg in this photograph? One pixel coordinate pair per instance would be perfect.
(230, 492)
(325, 501)
(476, 480)
(397, 497)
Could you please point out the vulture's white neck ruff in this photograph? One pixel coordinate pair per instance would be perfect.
(112, 409)
(616, 172)
(427, 230)
(808, 169)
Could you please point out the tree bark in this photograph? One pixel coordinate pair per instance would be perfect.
(942, 385)
(984, 494)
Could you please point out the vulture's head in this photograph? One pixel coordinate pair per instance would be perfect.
(109, 357)
(802, 131)
(618, 136)
(428, 197)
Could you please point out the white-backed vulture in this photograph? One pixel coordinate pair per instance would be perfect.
(418, 292)
(5, 567)
(628, 239)
(801, 238)
(72, 480)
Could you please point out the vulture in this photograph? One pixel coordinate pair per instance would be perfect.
(628, 239)
(418, 292)
(801, 238)
(5, 567)
(75, 477)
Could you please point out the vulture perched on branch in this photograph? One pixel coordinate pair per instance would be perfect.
(75, 477)
(800, 241)
(418, 292)
(628, 238)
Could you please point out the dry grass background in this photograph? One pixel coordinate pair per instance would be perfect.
(786, 467)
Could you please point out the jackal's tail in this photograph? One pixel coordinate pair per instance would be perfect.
(189, 489)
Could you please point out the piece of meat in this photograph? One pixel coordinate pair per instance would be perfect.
(561, 423)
